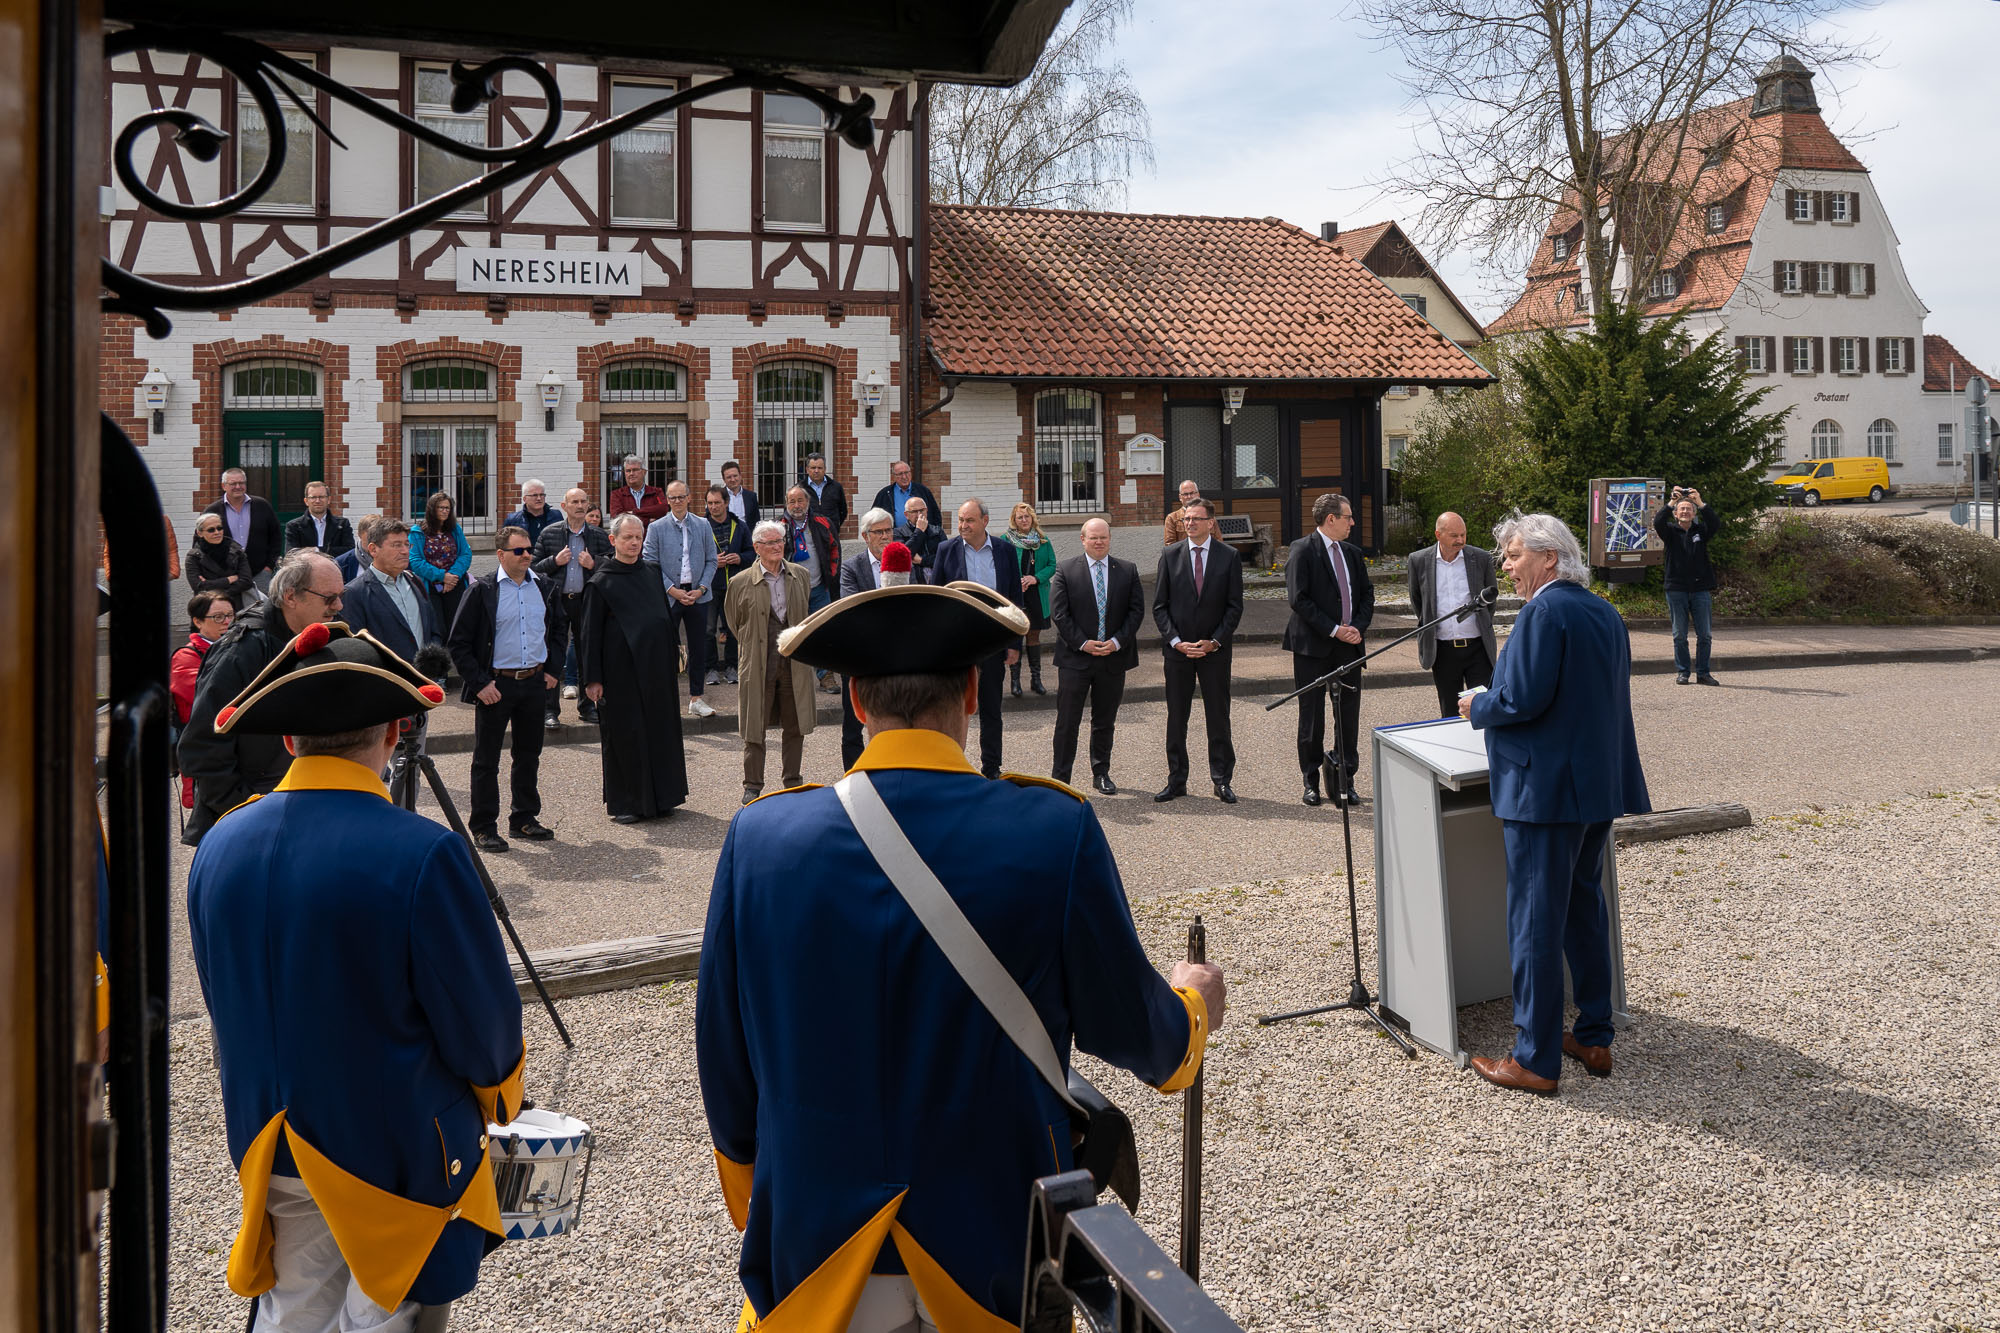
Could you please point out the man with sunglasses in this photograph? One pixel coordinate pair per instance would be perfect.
(229, 770)
(507, 643)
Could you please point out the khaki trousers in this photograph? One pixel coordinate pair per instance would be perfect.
(781, 705)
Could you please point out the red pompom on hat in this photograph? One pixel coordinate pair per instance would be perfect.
(222, 718)
(311, 639)
(895, 558)
(433, 692)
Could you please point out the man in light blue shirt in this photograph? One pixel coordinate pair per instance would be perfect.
(681, 547)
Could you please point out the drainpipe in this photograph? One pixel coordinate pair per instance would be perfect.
(916, 340)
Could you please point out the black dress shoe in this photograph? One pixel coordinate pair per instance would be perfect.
(1173, 791)
(489, 842)
(626, 819)
(551, 721)
(1352, 796)
(1681, 678)
(587, 714)
(1104, 784)
(1311, 796)
(1223, 794)
(532, 830)
(1706, 679)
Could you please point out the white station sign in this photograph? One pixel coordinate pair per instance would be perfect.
(550, 272)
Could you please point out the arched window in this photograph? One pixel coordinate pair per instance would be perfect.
(794, 416)
(274, 429)
(1069, 452)
(1826, 439)
(451, 408)
(1882, 438)
(635, 421)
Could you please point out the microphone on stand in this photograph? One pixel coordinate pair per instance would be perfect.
(1485, 597)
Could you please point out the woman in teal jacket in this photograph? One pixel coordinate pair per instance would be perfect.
(440, 556)
(1038, 568)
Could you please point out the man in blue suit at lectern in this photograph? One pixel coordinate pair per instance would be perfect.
(1564, 763)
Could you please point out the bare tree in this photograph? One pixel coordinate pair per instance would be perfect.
(1600, 112)
(1068, 136)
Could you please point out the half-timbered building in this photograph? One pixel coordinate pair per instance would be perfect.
(731, 280)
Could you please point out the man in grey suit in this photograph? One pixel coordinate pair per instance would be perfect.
(682, 547)
(861, 572)
(1459, 653)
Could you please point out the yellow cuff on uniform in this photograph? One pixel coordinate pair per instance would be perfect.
(736, 1188)
(502, 1102)
(1197, 1009)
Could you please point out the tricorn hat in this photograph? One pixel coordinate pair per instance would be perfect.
(329, 680)
(908, 630)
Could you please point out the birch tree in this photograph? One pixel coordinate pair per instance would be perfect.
(1068, 136)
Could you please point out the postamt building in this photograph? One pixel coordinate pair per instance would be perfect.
(1786, 248)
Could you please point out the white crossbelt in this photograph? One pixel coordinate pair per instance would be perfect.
(994, 986)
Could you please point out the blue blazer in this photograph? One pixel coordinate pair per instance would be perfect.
(833, 1099)
(362, 1005)
(950, 566)
(1558, 717)
(663, 551)
(367, 605)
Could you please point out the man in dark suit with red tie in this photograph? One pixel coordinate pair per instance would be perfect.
(1197, 603)
(1096, 604)
(1332, 601)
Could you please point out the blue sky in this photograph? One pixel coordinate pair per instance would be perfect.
(1284, 108)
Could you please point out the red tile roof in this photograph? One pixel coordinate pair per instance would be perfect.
(1946, 369)
(1757, 148)
(1363, 243)
(1047, 293)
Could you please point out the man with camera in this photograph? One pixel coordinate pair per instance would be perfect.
(1687, 525)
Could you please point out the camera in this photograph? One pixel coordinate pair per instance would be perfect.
(1680, 492)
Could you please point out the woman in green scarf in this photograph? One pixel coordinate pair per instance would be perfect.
(1038, 567)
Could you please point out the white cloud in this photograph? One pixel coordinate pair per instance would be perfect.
(1286, 109)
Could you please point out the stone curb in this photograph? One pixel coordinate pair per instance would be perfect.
(1247, 688)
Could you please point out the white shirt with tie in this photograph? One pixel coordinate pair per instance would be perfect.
(1194, 546)
(1338, 559)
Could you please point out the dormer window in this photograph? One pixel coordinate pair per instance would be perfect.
(1714, 157)
(1665, 283)
(1559, 247)
(1718, 217)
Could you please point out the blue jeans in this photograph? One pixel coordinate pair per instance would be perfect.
(1683, 607)
(1556, 911)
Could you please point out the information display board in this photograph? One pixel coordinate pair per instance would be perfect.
(1623, 544)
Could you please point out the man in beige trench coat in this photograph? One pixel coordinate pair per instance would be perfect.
(765, 599)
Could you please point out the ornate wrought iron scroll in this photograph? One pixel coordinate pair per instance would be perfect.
(257, 68)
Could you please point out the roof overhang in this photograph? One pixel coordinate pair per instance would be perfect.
(1212, 380)
(960, 41)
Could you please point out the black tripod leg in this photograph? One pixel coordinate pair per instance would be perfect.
(492, 891)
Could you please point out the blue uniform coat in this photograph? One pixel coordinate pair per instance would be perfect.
(856, 1090)
(366, 1026)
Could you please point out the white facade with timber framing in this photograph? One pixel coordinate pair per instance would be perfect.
(729, 282)
(1786, 249)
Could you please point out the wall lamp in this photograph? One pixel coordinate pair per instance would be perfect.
(871, 395)
(158, 389)
(552, 396)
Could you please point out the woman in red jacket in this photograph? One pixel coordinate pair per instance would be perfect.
(211, 615)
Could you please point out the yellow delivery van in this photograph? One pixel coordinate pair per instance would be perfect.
(1818, 479)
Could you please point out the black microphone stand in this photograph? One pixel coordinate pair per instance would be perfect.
(411, 759)
(1359, 997)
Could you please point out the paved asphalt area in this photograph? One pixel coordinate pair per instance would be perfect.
(1775, 740)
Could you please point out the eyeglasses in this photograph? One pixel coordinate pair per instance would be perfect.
(1197, 518)
(209, 531)
(330, 598)
(519, 550)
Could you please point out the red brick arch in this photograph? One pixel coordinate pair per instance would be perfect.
(212, 362)
(389, 363)
(844, 362)
(590, 364)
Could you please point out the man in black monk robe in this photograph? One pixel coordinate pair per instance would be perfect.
(629, 647)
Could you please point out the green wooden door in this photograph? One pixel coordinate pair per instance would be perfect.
(279, 453)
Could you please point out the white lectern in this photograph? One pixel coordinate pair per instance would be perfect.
(1441, 884)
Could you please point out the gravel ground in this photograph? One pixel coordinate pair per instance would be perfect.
(1801, 1133)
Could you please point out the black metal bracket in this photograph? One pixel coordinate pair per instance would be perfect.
(1092, 1264)
(258, 68)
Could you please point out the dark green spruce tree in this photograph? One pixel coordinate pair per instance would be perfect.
(1629, 398)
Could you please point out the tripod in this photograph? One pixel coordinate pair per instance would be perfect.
(1359, 998)
(410, 759)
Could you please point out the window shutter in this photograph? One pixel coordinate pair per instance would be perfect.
(1871, 276)
(1791, 206)
(1739, 346)
(1861, 351)
(1840, 283)
(1910, 356)
(1818, 355)
(1809, 278)
(1854, 215)
(1770, 355)
(1777, 275)
(1819, 205)
(1882, 353)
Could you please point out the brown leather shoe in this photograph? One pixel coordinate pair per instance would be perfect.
(1507, 1074)
(1596, 1059)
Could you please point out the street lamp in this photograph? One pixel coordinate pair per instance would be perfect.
(552, 394)
(871, 395)
(158, 388)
